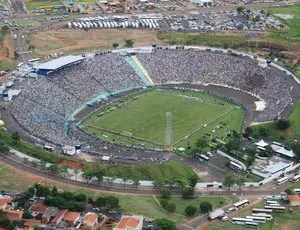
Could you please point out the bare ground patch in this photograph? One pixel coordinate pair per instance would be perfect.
(72, 41)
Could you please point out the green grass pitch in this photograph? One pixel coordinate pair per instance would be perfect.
(145, 115)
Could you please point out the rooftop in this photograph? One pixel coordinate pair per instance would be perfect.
(294, 198)
(4, 201)
(60, 62)
(71, 216)
(90, 217)
(59, 215)
(41, 208)
(128, 222)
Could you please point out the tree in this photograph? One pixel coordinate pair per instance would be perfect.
(164, 224)
(190, 210)
(115, 45)
(164, 203)
(100, 202)
(181, 183)
(205, 207)
(193, 179)
(240, 182)
(165, 193)
(64, 169)
(159, 183)
(171, 207)
(248, 131)
(90, 200)
(4, 30)
(289, 191)
(54, 191)
(263, 131)
(295, 146)
(233, 144)
(16, 55)
(240, 9)
(283, 124)
(136, 182)
(88, 174)
(16, 137)
(100, 175)
(188, 193)
(27, 215)
(53, 168)
(31, 47)
(201, 143)
(129, 43)
(250, 160)
(80, 197)
(3, 146)
(229, 180)
(112, 202)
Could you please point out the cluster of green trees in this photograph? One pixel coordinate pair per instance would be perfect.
(128, 44)
(164, 224)
(204, 207)
(66, 199)
(230, 180)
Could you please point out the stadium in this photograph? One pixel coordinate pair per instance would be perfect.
(137, 102)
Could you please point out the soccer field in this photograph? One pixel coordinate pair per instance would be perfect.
(144, 116)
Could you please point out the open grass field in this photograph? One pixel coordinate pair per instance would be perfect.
(168, 170)
(289, 134)
(40, 3)
(144, 116)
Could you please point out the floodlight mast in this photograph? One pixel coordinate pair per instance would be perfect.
(168, 132)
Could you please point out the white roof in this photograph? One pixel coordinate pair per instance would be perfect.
(105, 158)
(59, 62)
(69, 150)
(283, 151)
(261, 143)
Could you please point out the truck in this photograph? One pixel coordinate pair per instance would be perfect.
(218, 213)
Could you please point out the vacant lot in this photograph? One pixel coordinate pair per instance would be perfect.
(79, 41)
(41, 3)
(145, 116)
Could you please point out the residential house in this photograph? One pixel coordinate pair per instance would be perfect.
(37, 209)
(58, 218)
(90, 219)
(13, 214)
(30, 224)
(130, 223)
(49, 214)
(4, 202)
(71, 217)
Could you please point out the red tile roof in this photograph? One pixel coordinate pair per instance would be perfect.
(128, 222)
(91, 217)
(294, 198)
(41, 208)
(4, 201)
(71, 216)
(13, 214)
(30, 224)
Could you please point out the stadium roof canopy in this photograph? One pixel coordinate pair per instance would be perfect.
(59, 63)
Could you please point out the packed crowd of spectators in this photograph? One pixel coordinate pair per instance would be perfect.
(44, 106)
(205, 67)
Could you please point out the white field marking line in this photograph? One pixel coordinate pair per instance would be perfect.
(201, 125)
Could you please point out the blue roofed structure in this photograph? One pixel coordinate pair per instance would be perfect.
(58, 63)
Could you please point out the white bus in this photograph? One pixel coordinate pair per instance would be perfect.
(69, 25)
(274, 205)
(282, 180)
(20, 64)
(261, 211)
(235, 166)
(240, 220)
(251, 224)
(276, 208)
(204, 157)
(297, 191)
(241, 203)
(267, 216)
(209, 154)
(48, 148)
(271, 202)
(295, 178)
(257, 219)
